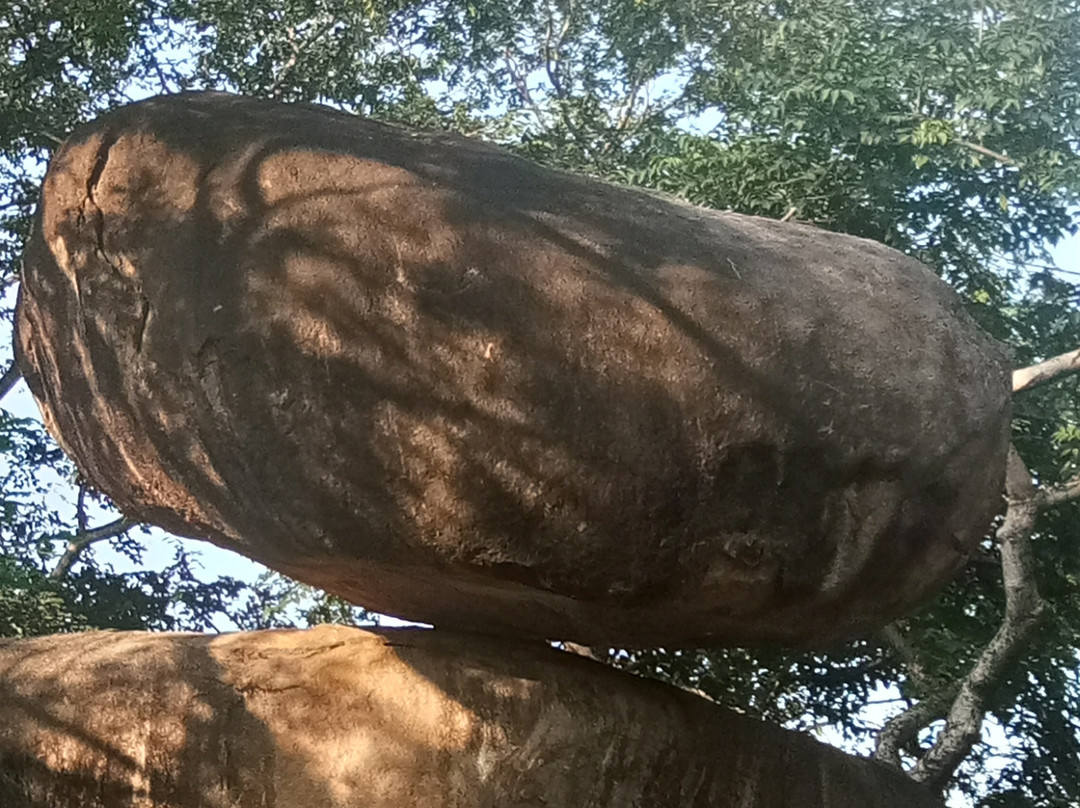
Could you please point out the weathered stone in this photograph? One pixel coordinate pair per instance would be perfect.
(395, 719)
(460, 388)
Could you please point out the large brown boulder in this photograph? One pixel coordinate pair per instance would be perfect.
(338, 717)
(460, 388)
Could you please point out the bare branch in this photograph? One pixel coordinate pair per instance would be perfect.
(964, 704)
(580, 650)
(298, 48)
(1026, 378)
(150, 57)
(553, 66)
(552, 71)
(10, 379)
(1001, 158)
(622, 123)
(81, 522)
(625, 124)
(54, 138)
(521, 85)
(290, 63)
(901, 729)
(553, 51)
(1023, 610)
(896, 641)
(1057, 494)
(84, 539)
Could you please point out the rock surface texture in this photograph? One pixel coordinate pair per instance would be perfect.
(337, 717)
(456, 387)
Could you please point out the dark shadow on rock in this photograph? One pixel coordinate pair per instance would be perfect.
(115, 719)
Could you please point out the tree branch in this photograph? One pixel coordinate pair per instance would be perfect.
(901, 729)
(1057, 494)
(553, 51)
(298, 48)
(1026, 378)
(622, 123)
(581, 650)
(896, 641)
(1001, 158)
(83, 539)
(1023, 610)
(522, 86)
(56, 139)
(10, 379)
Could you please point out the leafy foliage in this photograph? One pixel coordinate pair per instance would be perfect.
(32, 601)
(945, 128)
(279, 602)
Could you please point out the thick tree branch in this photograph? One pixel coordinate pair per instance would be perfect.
(10, 379)
(1024, 606)
(1026, 378)
(1023, 609)
(901, 729)
(1058, 494)
(83, 539)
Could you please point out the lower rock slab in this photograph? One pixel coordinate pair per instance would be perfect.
(409, 718)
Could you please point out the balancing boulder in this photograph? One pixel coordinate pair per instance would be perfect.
(397, 719)
(453, 386)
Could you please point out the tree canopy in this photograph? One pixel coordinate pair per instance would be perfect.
(944, 128)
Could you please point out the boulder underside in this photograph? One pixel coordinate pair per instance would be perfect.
(456, 387)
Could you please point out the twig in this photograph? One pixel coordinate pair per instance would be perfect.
(552, 56)
(81, 522)
(787, 217)
(581, 650)
(298, 48)
(56, 140)
(552, 51)
(898, 643)
(84, 539)
(150, 57)
(521, 85)
(10, 379)
(1026, 378)
(622, 123)
(275, 88)
(1001, 158)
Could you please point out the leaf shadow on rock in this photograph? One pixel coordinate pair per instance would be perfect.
(390, 719)
(445, 363)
